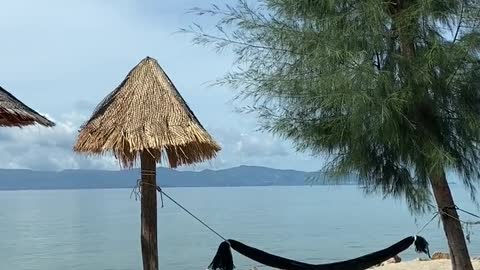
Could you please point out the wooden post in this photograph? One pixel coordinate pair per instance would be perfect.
(149, 212)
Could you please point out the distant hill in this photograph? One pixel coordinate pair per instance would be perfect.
(91, 179)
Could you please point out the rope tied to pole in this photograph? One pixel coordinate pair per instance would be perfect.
(463, 224)
(137, 192)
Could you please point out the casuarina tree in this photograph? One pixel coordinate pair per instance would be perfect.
(386, 90)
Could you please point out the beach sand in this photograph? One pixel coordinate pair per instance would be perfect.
(424, 265)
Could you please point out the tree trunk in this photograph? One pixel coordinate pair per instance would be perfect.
(459, 256)
(149, 212)
(453, 229)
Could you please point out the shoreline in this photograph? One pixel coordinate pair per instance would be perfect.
(438, 264)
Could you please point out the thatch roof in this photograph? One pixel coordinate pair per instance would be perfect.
(146, 112)
(14, 113)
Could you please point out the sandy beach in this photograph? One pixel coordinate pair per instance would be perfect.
(424, 265)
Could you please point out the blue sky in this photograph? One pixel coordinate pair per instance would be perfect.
(62, 57)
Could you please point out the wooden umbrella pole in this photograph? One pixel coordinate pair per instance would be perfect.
(149, 212)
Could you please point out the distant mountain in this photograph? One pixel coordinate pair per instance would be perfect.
(91, 179)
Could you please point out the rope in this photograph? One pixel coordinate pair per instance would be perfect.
(137, 193)
(136, 190)
(159, 189)
(161, 197)
(466, 212)
(443, 212)
(426, 224)
(148, 172)
(458, 219)
(466, 223)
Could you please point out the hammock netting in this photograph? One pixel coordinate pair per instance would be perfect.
(223, 259)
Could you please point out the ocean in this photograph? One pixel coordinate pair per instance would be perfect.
(99, 229)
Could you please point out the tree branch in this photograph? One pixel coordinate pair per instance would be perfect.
(459, 23)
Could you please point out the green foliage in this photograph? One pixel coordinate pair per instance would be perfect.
(388, 90)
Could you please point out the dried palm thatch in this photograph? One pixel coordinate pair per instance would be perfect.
(146, 113)
(14, 113)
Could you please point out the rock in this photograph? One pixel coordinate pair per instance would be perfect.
(440, 256)
(395, 259)
(421, 259)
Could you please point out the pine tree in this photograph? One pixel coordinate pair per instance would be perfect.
(387, 90)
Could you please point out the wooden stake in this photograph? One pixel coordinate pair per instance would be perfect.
(149, 212)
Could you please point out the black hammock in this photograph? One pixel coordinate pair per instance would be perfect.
(223, 259)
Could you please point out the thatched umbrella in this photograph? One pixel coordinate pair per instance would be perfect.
(145, 117)
(14, 113)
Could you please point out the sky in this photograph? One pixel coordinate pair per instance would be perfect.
(62, 57)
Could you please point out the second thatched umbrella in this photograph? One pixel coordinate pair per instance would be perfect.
(146, 118)
(14, 113)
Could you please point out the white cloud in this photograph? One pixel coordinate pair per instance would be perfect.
(41, 148)
(255, 145)
(250, 144)
(244, 145)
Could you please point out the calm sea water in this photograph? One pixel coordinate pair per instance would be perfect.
(99, 229)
